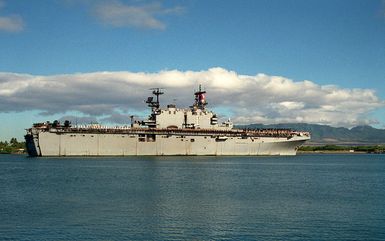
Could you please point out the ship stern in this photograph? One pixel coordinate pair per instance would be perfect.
(32, 144)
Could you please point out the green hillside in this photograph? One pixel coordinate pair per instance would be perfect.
(323, 134)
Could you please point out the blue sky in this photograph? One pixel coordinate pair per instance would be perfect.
(329, 43)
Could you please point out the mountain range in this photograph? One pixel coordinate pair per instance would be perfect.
(328, 135)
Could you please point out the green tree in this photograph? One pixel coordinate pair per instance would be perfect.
(13, 141)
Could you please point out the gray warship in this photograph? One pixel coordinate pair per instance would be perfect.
(169, 131)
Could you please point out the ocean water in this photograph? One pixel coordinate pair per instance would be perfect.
(306, 197)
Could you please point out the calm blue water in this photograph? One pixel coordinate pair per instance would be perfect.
(307, 197)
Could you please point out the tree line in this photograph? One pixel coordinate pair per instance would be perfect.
(13, 146)
(367, 149)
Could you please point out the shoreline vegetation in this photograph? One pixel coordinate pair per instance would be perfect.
(12, 147)
(15, 147)
(377, 149)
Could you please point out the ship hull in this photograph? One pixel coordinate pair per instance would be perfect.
(99, 144)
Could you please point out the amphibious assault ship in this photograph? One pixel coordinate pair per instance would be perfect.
(169, 131)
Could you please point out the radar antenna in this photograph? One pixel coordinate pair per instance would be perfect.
(200, 98)
(154, 104)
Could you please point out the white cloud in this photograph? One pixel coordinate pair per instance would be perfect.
(292, 105)
(145, 16)
(11, 23)
(109, 96)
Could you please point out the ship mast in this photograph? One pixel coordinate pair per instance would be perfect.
(154, 104)
(200, 98)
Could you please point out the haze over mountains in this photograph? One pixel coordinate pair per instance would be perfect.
(323, 134)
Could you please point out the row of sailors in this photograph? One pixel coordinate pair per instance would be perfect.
(247, 132)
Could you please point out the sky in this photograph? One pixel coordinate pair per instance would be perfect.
(260, 61)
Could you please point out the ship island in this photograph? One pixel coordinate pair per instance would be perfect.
(167, 131)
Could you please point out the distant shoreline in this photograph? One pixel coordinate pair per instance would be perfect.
(335, 152)
(337, 149)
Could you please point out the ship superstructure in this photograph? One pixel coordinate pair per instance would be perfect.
(169, 131)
